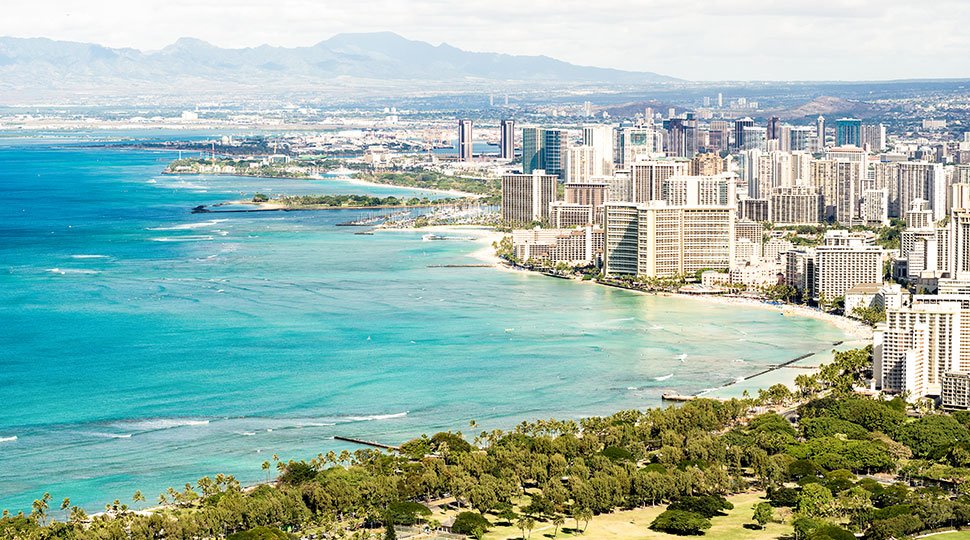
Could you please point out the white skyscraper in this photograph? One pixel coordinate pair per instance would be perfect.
(600, 138)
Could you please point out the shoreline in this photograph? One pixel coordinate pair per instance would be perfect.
(344, 179)
(856, 332)
(271, 206)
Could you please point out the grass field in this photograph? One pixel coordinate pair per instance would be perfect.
(633, 524)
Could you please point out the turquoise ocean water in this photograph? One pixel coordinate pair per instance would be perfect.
(143, 346)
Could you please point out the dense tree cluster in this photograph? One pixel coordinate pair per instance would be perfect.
(435, 180)
(356, 201)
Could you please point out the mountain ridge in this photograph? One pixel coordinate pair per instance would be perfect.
(379, 56)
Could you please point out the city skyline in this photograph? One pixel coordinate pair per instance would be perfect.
(736, 40)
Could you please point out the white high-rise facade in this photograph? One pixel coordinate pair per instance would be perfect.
(601, 139)
(581, 164)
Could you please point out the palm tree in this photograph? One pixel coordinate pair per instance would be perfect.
(138, 497)
(39, 509)
(577, 514)
(529, 525)
(557, 522)
(266, 468)
(525, 524)
(78, 516)
(585, 515)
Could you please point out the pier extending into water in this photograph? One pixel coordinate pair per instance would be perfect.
(367, 443)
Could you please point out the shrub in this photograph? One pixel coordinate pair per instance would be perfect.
(615, 453)
(705, 505)
(680, 522)
(406, 512)
(784, 496)
(470, 523)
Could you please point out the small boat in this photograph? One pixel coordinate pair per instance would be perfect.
(429, 237)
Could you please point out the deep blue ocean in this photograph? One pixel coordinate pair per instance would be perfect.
(143, 346)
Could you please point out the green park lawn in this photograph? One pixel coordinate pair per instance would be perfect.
(634, 524)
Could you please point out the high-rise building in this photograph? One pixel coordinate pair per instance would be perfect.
(874, 207)
(658, 240)
(800, 271)
(565, 215)
(918, 345)
(580, 164)
(590, 193)
(840, 183)
(959, 239)
(784, 138)
(874, 137)
(753, 209)
(774, 128)
(533, 151)
(754, 138)
(922, 180)
(716, 190)
(820, 133)
(648, 175)
(555, 145)
(622, 244)
(681, 137)
(739, 125)
(526, 197)
(637, 143)
(752, 230)
(619, 186)
(601, 139)
(919, 215)
(543, 149)
(848, 132)
(842, 262)
(800, 138)
(707, 164)
(465, 140)
(795, 205)
(506, 145)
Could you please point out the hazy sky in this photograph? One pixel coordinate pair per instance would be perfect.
(693, 39)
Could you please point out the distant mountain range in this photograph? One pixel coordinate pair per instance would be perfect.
(45, 64)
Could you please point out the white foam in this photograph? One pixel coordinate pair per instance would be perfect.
(376, 417)
(76, 271)
(189, 226)
(248, 433)
(190, 238)
(111, 435)
(84, 256)
(8, 439)
(160, 423)
(663, 377)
